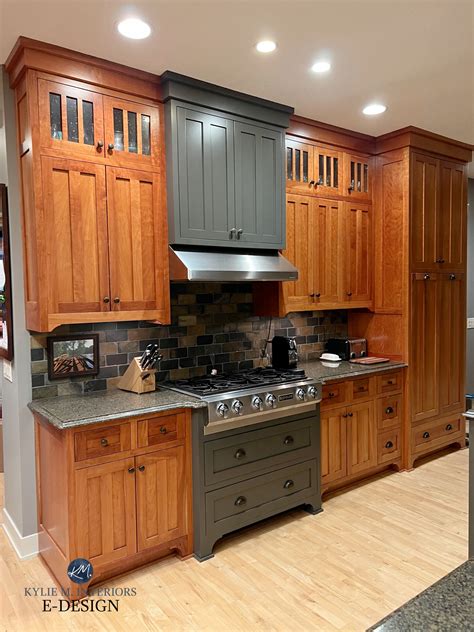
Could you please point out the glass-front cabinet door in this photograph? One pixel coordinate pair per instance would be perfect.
(299, 166)
(328, 171)
(71, 121)
(131, 134)
(358, 177)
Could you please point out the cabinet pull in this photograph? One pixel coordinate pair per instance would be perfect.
(288, 440)
(331, 394)
(141, 468)
(241, 500)
(104, 442)
(344, 415)
(389, 410)
(232, 233)
(116, 300)
(239, 233)
(240, 454)
(163, 430)
(390, 382)
(426, 435)
(318, 294)
(452, 277)
(289, 484)
(449, 427)
(106, 299)
(110, 147)
(349, 293)
(440, 261)
(131, 470)
(427, 277)
(361, 388)
(350, 414)
(312, 183)
(100, 145)
(389, 445)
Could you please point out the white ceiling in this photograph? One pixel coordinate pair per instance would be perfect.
(415, 56)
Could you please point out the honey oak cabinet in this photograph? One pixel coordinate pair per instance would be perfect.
(333, 445)
(116, 493)
(358, 177)
(362, 437)
(357, 254)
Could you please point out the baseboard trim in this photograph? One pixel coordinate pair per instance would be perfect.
(25, 547)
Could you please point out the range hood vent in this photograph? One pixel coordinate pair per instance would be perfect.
(188, 264)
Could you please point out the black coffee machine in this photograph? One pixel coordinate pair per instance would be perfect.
(284, 353)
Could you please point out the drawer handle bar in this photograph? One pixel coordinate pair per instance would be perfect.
(426, 435)
(389, 445)
(240, 454)
(389, 410)
(163, 430)
(289, 484)
(288, 440)
(449, 427)
(241, 500)
(104, 442)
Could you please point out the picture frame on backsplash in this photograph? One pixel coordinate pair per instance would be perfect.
(72, 356)
(6, 314)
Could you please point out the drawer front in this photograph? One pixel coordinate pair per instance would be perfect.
(362, 388)
(334, 394)
(160, 430)
(258, 497)
(389, 382)
(389, 411)
(435, 433)
(97, 442)
(389, 446)
(252, 451)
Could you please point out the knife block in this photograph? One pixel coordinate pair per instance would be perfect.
(137, 380)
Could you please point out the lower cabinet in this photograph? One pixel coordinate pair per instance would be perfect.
(361, 437)
(113, 495)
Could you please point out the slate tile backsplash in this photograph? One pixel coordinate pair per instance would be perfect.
(213, 326)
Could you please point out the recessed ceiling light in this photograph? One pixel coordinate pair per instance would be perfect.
(374, 108)
(266, 46)
(321, 66)
(134, 28)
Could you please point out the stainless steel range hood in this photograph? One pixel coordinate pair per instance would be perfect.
(188, 264)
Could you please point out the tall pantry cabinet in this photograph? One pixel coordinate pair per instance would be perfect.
(420, 209)
(91, 144)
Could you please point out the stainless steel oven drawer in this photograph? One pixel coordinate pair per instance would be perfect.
(248, 452)
(246, 502)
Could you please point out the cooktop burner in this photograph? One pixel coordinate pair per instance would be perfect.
(221, 383)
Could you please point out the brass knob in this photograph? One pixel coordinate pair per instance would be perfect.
(389, 445)
(116, 300)
(110, 147)
(349, 293)
(100, 145)
(106, 299)
(163, 430)
(240, 454)
(241, 500)
(141, 468)
(131, 470)
(289, 484)
(104, 442)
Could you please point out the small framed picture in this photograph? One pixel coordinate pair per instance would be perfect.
(73, 356)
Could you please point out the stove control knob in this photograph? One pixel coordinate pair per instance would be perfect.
(271, 400)
(222, 410)
(237, 406)
(312, 392)
(300, 393)
(257, 402)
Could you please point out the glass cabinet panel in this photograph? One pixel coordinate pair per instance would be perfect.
(132, 132)
(328, 169)
(72, 120)
(55, 116)
(146, 131)
(118, 129)
(289, 163)
(88, 122)
(297, 164)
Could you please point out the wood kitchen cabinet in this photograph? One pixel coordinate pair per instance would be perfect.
(333, 445)
(358, 177)
(357, 254)
(93, 189)
(362, 437)
(109, 493)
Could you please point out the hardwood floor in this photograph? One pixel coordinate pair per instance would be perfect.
(373, 548)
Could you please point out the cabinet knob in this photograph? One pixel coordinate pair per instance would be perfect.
(349, 293)
(312, 183)
(452, 277)
(331, 394)
(389, 410)
(350, 414)
(116, 300)
(389, 445)
(104, 442)
(426, 435)
(241, 500)
(131, 470)
(390, 382)
(106, 299)
(427, 277)
(141, 468)
(289, 484)
(239, 233)
(232, 233)
(163, 430)
(110, 147)
(344, 415)
(440, 261)
(288, 440)
(449, 427)
(318, 294)
(351, 188)
(240, 454)
(100, 145)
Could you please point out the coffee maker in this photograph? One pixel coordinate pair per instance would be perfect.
(284, 353)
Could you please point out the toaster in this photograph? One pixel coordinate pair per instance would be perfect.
(347, 348)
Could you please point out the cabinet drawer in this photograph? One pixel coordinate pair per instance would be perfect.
(160, 430)
(256, 498)
(248, 452)
(435, 433)
(389, 446)
(389, 382)
(389, 411)
(334, 394)
(362, 388)
(90, 444)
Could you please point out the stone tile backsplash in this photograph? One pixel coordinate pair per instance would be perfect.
(212, 326)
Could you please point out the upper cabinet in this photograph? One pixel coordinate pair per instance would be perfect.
(225, 166)
(357, 177)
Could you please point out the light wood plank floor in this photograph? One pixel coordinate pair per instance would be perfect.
(372, 549)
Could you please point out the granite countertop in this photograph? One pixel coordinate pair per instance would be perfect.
(446, 606)
(79, 410)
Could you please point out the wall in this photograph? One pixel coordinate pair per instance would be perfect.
(212, 327)
(470, 288)
(18, 430)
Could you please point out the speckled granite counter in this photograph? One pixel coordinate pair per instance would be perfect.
(345, 370)
(79, 410)
(447, 606)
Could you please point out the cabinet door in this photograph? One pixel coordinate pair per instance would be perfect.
(75, 220)
(161, 497)
(424, 212)
(452, 217)
(362, 437)
(328, 251)
(131, 134)
(299, 250)
(299, 166)
(358, 254)
(452, 353)
(328, 171)
(205, 209)
(105, 512)
(259, 186)
(424, 349)
(357, 177)
(333, 445)
(137, 240)
(71, 121)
